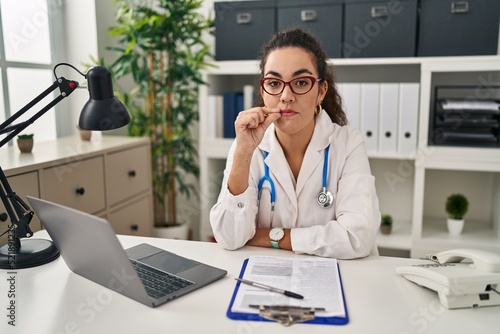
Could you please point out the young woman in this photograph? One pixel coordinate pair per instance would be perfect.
(297, 177)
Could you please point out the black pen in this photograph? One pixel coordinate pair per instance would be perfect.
(270, 288)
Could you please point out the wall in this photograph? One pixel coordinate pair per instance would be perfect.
(80, 42)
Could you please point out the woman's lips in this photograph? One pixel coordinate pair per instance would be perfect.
(288, 112)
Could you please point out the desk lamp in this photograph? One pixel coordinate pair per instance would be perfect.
(103, 111)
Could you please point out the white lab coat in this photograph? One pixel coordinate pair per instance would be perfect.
(345, 230)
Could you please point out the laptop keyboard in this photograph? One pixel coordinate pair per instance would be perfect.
(159, 283)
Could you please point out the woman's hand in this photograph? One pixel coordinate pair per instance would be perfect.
(250, 126)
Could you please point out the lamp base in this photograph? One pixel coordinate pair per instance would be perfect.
(32, 253)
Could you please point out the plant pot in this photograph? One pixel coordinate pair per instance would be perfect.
(180, 231)
(385, 229)
(85, 135)
(25, 144)
(455, 226)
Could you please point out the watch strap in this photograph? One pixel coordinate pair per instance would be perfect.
(275, 244)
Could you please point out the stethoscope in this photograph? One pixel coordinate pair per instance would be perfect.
(325, 197)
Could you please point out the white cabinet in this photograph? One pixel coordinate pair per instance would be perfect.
(412, 184)
(78, 184)
(109, 177)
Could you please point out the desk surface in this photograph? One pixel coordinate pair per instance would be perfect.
(52, 299)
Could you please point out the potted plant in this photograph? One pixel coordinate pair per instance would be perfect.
(456, 207)
(25, 142)
(85, 135)
(386, 224)
(161, 46)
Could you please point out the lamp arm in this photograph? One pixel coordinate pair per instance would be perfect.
(28, 106)
(18, 211)
(66, 87)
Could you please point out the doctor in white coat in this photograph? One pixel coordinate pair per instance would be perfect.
(297, 177)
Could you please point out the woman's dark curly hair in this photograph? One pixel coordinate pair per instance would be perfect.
(297, 37)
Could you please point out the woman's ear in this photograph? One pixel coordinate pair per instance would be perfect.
(323, 89)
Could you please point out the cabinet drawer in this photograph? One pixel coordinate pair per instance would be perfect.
(458, 27)
(22, 185)
(374, 28)
(79, 185)
(241, 27)
(133, 219)
(322, 17)
(127, 173)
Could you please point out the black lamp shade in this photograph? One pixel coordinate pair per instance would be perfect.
(103, 111)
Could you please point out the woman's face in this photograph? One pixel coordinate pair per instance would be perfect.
(297, 111)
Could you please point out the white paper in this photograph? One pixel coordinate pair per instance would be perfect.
(470, 105)
(317, 279)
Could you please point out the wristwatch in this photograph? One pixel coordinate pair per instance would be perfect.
(276, 234)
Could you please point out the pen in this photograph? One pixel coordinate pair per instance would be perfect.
(270, 288)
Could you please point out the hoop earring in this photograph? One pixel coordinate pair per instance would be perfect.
(318, 109)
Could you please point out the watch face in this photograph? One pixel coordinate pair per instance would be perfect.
(276, 234)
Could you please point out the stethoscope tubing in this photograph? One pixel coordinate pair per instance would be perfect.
(267, 178)
(326, 194)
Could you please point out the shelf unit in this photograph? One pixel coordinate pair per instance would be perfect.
(412, 187)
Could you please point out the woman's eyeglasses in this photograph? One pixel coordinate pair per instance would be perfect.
(299, 86)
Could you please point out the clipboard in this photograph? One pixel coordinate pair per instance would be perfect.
(257, 317)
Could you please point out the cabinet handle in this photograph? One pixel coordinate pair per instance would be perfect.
(368, 133)
(80, 190)
(388, 134)
(308, 15)
(134, 227)
(244, 18)
(407, 135)
(131, 173)
(459, 7)
(379, 11)
(3, 217)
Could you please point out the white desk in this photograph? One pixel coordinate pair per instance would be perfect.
(51, 299)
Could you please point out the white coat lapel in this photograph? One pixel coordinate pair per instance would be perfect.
(314, 157)
(276, 161)
(279, 170)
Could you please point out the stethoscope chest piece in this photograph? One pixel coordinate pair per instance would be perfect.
(325, 198)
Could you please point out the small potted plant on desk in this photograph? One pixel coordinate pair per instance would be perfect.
(25, 143)
(386, 224)
(456, 207)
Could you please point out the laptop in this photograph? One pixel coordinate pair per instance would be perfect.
(90, 248)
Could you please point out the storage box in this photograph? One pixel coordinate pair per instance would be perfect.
(380, 28)
(242, 27)
(323, 18)
(456, 27)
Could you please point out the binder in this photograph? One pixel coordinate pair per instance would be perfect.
(388, 117)
(369, 115)
(233, 104)
(248, 97)
(351, 100)
(256, 317)
(408, 117)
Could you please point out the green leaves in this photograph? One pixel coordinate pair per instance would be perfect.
(457, 206)
(160, 46)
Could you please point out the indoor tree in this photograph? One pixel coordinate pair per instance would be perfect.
(161, 46)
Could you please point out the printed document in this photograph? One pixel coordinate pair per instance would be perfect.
(317, 279)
